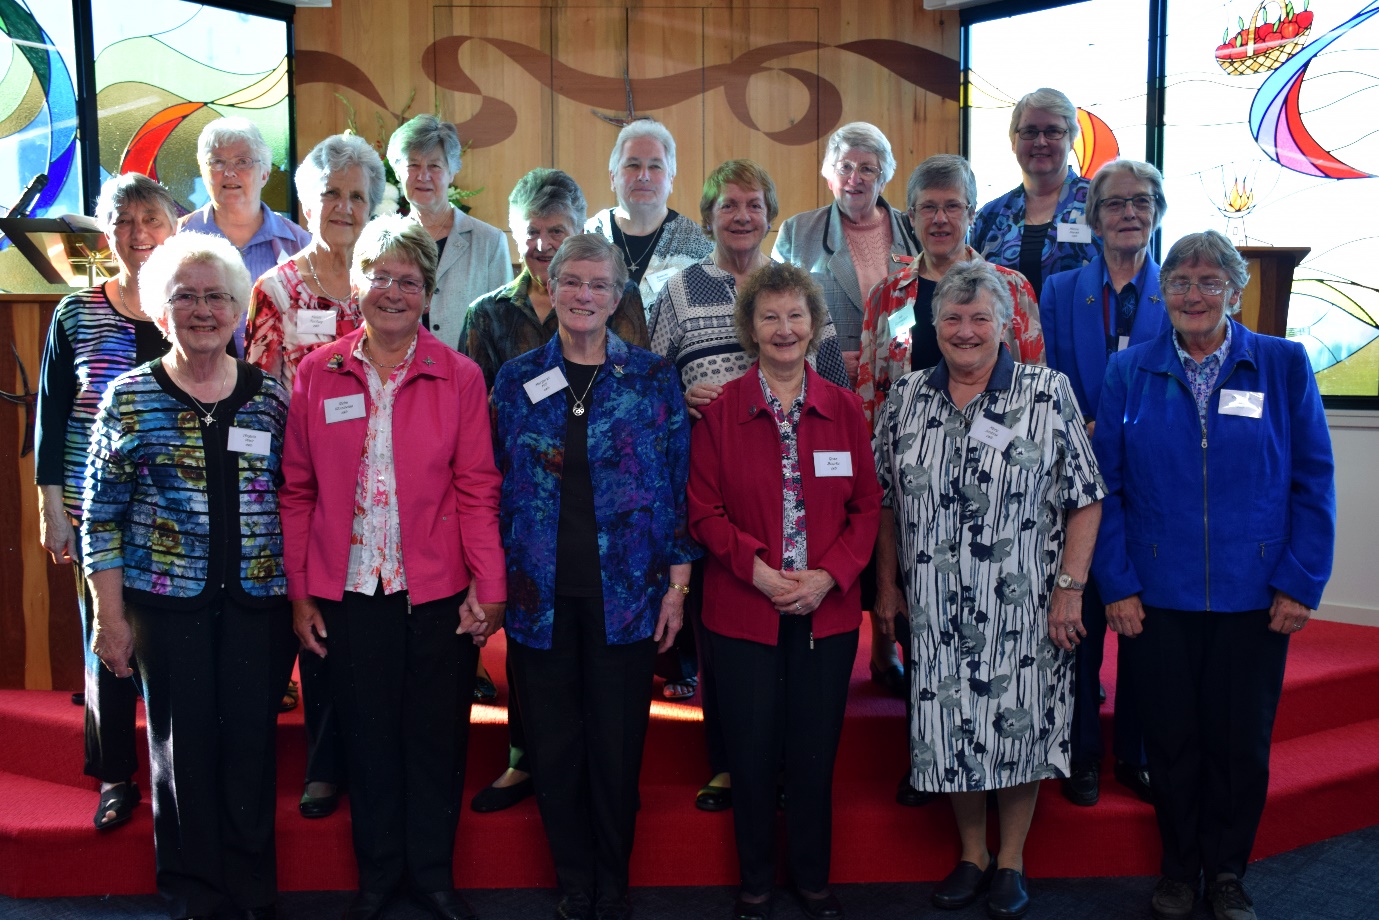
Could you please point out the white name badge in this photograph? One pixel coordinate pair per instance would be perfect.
(250, 441)
(1074, 233)
(344, 408)
(538, 388)
(316, 322)
(832, 463)
(1122, 343)
(1241, 402)
(902, 320)
(989, 432)
(657, 280)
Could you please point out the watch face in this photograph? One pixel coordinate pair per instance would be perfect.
(1065, 580)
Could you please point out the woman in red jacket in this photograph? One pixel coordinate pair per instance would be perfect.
(390, 524)
(783, 496)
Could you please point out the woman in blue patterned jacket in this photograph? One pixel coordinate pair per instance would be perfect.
(183, 550)
(593, 443)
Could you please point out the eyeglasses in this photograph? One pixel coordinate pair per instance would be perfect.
(952, 210)
(1212, 287)
(568, 284)
(846, 169)
(1142, 204)
(1030, 133)
(238, 164)
(381, 282)
(215, 300)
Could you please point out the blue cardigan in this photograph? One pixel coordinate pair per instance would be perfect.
(1216, 520)
(1070, 310)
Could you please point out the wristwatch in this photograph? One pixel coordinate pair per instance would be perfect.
(1068, 583)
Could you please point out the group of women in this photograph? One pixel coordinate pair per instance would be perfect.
(659, 433)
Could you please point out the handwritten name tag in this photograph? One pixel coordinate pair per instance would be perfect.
(1074, 233)
(992, 433)
(250, 441)
(832, 463)
(538, 388)
(344, 408)
(1245, 403)
(316, 322)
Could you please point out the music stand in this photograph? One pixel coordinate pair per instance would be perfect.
(68, 250)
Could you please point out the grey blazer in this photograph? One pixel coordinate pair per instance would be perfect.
(476, 260)
(814, 241)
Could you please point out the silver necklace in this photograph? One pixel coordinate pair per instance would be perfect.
(368, 351)
(209, 417)
(646, 253)
(311, 264)
(579, 400)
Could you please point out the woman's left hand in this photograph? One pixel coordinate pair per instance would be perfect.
(671, 619)
(811, 587)
(480, 620)
(1065, 619)
(1287, 616)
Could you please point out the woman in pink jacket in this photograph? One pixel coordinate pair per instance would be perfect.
(395, 567)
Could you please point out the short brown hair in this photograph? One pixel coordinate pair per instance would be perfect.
(779, 278)
(747, 174)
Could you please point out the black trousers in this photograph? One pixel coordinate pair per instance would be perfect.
(586, 705)
(708, 689)
(517, 731)
(109, 716)
(1087, 744)
(325, 755)
(402, 683)
(783, 703)
(212, 680)
(1207, 686)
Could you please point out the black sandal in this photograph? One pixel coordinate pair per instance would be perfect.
(121, 799)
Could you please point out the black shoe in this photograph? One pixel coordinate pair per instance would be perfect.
(1008, 898)
(575, 906)
(1229, 900)
(1101, 693)
(497, 798)
(1136, 779)
(615, 908)
(820, 908)
(962, 885)
(446, 905)
(714, 798)
(1083, 785)
(484, 690)
(751, 910)
(892, 680)
(1172, 899)
(319, 806)
(79, 698)
(367, 905)
(267, 912)
(909, 796)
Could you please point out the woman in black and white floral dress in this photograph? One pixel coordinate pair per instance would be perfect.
(991, 500)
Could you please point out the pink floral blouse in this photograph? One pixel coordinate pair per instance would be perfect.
(274, 343)
(794, 554)
(376, 539)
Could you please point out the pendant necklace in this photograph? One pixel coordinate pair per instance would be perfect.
(209, 418)
(646, 253)
(579, 400)
(368, 351)
(311, 264)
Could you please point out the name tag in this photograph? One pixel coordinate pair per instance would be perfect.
(538, 388)
(1122, 343)
(1074, 233)
(250, 441)
(832, 463)
(989, 432)
(1241, 402)
(316, 322)
(657, 280)
(344, 408)
(902, 320)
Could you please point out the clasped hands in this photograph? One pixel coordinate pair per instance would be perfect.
(792, 593)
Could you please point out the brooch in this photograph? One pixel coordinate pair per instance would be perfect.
(617, 370)
(427, 361)
(336, 361)
(1154, 298)
(1089, 299)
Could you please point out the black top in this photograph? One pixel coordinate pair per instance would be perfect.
(924, 351)
(637, 250)
(577, 569)
(1032, 241)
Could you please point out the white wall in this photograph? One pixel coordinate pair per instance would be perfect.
(1352, 596)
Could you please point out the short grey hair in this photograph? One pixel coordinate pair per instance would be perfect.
(1050, 100)
(1211, 247)
(859, 135)
(544, 192)
(940, 171)
(231, 130)
(130, 189)
(962, 284)
(423, 133)
(336, 154)
(398, 236)
(590, 247)
(643, 127)
(191, 248)
(1138, 169)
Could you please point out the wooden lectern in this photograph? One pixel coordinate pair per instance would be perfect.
(1264, 303)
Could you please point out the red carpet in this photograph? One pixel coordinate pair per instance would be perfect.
(1325, 771)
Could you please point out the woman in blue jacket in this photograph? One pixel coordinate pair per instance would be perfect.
(1216, 542)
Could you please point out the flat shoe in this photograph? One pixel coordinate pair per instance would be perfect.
(816, 908)
(909, 796)
(497, 798)
(714, 798)
(962, 885)
(576, 906)
(367, 905)
(892, 679)
(291, 697)
(119, 798)
(1136, 779)
(318, 806)
(446, 905)
(680, 690)
(484, 690)
(751, 910)
(1008, 898)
